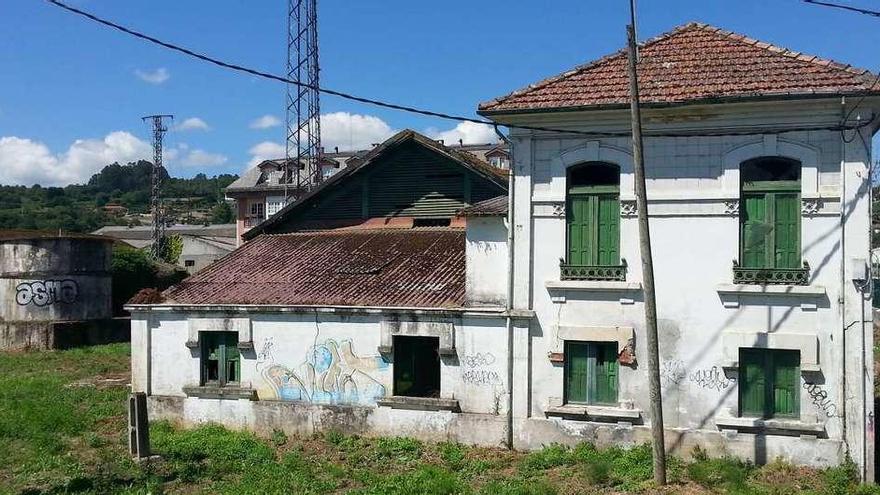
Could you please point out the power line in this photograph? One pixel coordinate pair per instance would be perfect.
(430, 113)
(850, 8)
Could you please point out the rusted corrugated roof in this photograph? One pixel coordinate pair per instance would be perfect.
(693, 62)
(422, 268)
(494, 207)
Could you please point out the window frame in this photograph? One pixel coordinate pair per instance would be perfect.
(592, 351)
(598, 206)
(224, 342)
(768, 362)
(415, 363)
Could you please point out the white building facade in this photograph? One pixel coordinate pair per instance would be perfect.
(759, 209)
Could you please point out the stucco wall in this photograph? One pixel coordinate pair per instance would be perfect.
(487, 261)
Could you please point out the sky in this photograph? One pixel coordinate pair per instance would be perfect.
(72, 93)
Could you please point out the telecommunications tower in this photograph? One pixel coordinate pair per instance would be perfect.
(303, 147)
(156, 175)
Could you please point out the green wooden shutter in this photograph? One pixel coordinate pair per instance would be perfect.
(231, 358)
(786, 216)
(580, 229)
(576, 372)
(786, 377)
(606, 374)
(752, 382)
(609, 230)
(756, 231)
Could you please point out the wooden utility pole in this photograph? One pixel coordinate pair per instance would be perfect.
(659, 447)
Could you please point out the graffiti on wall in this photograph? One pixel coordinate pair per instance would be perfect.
(820, 399)
(476, 371)
(331, 373)
(711, 378)
(42, 293)
(673, 371)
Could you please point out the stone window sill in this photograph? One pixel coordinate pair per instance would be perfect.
(601, 413)
(218, 392)
(778, 426)
(592, 285)
(419, 403)
(776, 290)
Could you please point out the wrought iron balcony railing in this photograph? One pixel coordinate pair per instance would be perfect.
(592, 272)
(771, 276)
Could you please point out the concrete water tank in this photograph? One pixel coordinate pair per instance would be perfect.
(55, 289)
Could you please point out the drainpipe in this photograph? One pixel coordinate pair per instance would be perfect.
(511, 182)
(842, 297)
(148, 389)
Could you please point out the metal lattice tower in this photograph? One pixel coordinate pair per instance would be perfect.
(303, 101)
(159, 130)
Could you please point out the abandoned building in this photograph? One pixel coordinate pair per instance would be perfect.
(260, 192)
(423, 294)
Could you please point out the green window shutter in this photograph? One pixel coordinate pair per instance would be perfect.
(231, 358)
(786, 377)
(606, 374)
(787, 230)
(576, 371)
(609, 230)
(755, 231)
(581, 234)
(752, 382)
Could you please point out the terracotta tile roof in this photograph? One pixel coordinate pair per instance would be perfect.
(494, 207)
(693, 62)
(422, 268)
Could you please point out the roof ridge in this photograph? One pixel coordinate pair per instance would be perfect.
(364, 230)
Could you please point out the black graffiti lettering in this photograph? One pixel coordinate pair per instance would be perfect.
(478, 359)
(712, 378)
(481, 377)
(820, 399)
(42, 293)
(673, 371)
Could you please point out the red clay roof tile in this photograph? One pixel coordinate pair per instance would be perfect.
(691, 63)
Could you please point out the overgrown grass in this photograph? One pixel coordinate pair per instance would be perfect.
(62, 431)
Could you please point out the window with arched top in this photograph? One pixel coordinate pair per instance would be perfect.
(770, 226)
(593, 223)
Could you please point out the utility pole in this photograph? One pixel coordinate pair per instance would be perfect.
(158, 224)
(657, 434)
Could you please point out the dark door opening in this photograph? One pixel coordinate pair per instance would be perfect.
(417, 366)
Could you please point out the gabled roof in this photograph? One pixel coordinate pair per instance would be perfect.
(692, 63)
(418, 268)
(462, 158)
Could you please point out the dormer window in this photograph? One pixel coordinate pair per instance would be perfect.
(593, 223)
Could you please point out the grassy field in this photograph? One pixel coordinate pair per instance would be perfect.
(62, 421)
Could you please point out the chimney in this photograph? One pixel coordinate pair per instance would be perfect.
(460, 142)
(336, 149)
(440, 141)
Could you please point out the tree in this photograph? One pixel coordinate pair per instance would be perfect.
(222, 213)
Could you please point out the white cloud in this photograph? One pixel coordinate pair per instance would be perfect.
(201, 158)
(193, 124)
(265, 122)
(351, 131)
(27, 162)
(267, 150)
(157, 76)
(468, 132)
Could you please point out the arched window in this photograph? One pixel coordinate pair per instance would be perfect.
(593, 221)
(770, 227)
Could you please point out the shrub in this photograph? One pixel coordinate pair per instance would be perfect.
(725, 472)
(400, 448)
(550, 456)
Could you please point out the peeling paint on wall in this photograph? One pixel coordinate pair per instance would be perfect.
(331, 374)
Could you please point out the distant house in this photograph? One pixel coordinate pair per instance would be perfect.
(115, 209)
(259, 192)
(202, 244)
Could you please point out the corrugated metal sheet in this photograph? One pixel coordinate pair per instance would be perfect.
(394, 268)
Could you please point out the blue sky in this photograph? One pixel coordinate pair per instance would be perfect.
(72, 92)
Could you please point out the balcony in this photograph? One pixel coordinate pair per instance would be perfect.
(771, 276)
(592, 272)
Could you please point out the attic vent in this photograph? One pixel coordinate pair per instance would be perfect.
(366, 263)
